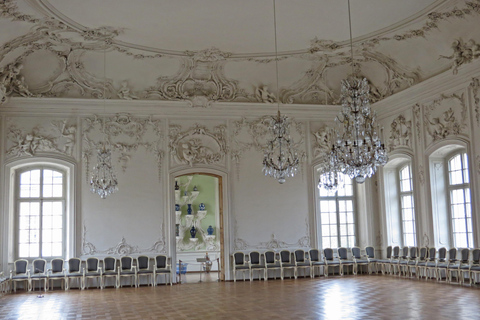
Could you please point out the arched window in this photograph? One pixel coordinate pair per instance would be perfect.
(400, 201)
(337, 216)
(459, 201)
(407, 207)
(40, 205)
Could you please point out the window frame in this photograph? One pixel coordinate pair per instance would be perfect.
(337, 200)
(40, 199)
(462, 186)
(73, 206)
(401, 194)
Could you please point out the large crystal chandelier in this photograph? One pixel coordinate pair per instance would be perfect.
(104, 181)
(358, 148)
(281, 159)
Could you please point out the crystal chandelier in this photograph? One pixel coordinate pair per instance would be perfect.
(358, 148)
(331, 176)
(281, 159)
(104, 181)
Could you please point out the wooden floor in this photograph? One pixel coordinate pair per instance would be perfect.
(349, 297)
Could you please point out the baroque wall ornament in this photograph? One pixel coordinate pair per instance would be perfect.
(475, 85)
(200, 80)
(421, 175)
(197, 145)
(463, 53)
(418, 122)
(321, 144)
(40, 139)
(122, 248)
(400, 133)
(274, 243)
(447, 124)
(126, 134)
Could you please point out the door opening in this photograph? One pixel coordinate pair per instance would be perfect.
(199, 227)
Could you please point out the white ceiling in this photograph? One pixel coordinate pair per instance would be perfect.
(239, 26)
(205, 51)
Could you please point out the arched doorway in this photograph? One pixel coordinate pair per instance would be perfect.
(198, 220)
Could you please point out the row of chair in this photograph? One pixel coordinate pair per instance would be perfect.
(112, 268)
(301, 259)
(421, 262)
(428, 263)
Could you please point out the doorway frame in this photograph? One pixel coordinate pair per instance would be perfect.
(223, 214)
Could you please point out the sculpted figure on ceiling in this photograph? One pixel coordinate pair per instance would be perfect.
(463, 53)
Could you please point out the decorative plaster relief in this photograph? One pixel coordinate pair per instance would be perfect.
(447, 124)
(274, 243)
(263, 95)
(426, 240)
(463, 53)
(124, 134)
(475, 85)
(200, 80)
(40, 139)
(122, 248)
(321, 144)
(418, 119)
(421, 174)
(198, 145)
(11, 81)
(400, 133)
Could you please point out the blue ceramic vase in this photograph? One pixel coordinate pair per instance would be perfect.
(189, 210)
(193, 232)
(210, 230)
(201, 207)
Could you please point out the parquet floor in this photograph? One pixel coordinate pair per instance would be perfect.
(349, 297)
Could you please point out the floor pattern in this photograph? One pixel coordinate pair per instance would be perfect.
(351, 297)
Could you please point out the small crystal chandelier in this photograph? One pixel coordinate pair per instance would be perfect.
(104, 181)
(358, 147)
(281, 159)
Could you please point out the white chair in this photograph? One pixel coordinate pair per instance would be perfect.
(127, 270)
(239, 264)
(20, 273)
(74, 272)
(110, 270)
(39, 273)
(143, 269)
(56, 272)
(92, 271)
(160, 267)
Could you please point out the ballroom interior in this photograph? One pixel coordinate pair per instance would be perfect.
(151, 128)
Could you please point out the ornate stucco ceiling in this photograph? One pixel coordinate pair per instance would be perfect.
(215, 50)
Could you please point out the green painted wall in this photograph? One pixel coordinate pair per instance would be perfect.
(207, 187)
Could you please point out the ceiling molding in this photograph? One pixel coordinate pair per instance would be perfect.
(428, 90)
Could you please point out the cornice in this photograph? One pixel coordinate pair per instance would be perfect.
(169, 109)
(428, 90)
